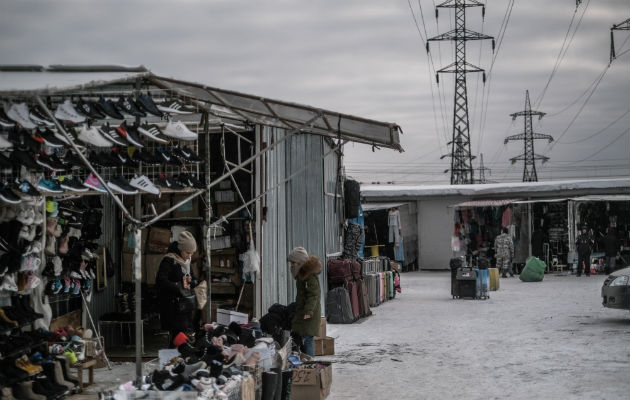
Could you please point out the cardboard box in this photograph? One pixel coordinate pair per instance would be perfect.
(311, 383)
(324, 346)
(322, 327)
(188, 209)
(225, 208)
(151, 264)
(225, 317)
(159, 240)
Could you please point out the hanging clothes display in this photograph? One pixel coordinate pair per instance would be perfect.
(393, 222)
(399, 251)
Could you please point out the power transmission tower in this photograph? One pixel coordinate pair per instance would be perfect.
(622, 26)
(461, 159)
(482, 171)
(529, 170)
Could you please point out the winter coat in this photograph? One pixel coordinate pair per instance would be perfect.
(504, 246)
(584, 243)
(610, 244)
(308, 298)
(170, 287)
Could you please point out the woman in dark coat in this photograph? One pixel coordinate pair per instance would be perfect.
(174, 283)
(308, 310)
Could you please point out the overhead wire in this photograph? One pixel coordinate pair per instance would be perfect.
(600, 131)
(623, 133)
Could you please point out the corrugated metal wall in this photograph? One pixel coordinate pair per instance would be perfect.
(298, 212)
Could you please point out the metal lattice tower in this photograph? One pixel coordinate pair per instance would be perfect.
(482, 170)
(461, 159)
(529, 170)
(622, 26)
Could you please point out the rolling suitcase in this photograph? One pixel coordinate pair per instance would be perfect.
(339, 272)
(338, 307)
(353, 291)
(467, 278)
(455, 264)
(392, 293)
(494, 278)
(483, 282)
(371, 289)
(364, 305)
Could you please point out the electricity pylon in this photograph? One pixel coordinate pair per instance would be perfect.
(622, 26)
(461, 159)
(529, 157)
(482, 171)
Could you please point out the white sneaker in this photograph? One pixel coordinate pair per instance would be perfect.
(4, 143)
(19, 114)
(66, 112)
(143, 183)
(179, 131)
(92, 137)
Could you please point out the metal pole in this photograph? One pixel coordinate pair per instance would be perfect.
(137, 275)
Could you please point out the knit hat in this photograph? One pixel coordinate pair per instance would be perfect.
(298, 255)
(187, 242)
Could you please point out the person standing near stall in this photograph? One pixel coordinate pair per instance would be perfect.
(610, 248)
(175, 282)
(584, 244)
(305, 270)
(504, 252)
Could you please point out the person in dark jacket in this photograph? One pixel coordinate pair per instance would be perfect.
(307, 315)
(538, 239)
(584, 245)
(610, 248)
(174, 283)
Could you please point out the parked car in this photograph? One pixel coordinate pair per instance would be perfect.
(616, 290)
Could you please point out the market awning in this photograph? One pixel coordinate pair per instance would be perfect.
(379, 206)
(483, 203)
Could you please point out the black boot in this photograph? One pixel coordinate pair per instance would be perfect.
(269, 385)
(287, 376)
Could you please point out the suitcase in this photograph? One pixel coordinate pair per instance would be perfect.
(355, 269)
(455, 264)
(467, 278)
(383, 283)
(379, 288)
(364, 305)
(338, 306)
(339, 272)
(494, 278)
(483, 283)
(391, 291)
(353, 291)
(371, 280)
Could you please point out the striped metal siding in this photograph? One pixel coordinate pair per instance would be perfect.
(105, 301)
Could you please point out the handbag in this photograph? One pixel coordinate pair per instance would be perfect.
(186, 302)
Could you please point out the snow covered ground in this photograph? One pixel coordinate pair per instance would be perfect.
(545, 340)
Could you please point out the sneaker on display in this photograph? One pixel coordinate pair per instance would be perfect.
(87, 108)
(47, 162)
(178, 130)
(72, 160)
(122, 159)
(145, 157)
(146, 103)
(175, 107)
(48, 138)
(4, 143)
(168, 183)
(37, 115)
(72, 183)
(192, 181)
(112, 135)
(66, 112)
(19, 113)
(185, 154)
(128, 106)
(166, 156)
(5, 162)
(143, 183)
(91, 136)
(153, 132)
(7, 195)
(5, 121)
(130, 133)
(107, 107)
(49, 185)
(23, 158)
(93, 183)
(60, 136)
(26, 188)
(120, 185)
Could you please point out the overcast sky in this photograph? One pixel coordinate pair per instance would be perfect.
(367, 58)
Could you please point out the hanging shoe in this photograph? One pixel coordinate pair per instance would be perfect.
(93, 183)
(143, 183)
(66, 112)
(92, 137)
(87, 108)
(175, 107)
(153, 132)
(19, 114)
(37, 115)
(108, 108)
(112, 135)
(128, 106)
(178, 130)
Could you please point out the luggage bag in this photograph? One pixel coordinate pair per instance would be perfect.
(494, 278)
(364, 305)
(339, 272)
(467, 278)
(353, 291)
(483, 282)
(338, 307)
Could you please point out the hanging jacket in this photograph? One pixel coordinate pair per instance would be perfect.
(308, 298)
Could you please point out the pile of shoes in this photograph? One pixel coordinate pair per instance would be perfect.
(30, 138)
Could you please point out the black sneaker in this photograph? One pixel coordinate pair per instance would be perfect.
(121, 158)
(192, 181)
(108, 108)
(166, 156)
(110, 134)
(185, 154)
(5, 121)
(182, 180)
(45, 161)
(100, 159)
(168, 183)
(130, 133)
(73, 161)
(121, 185)
(128, 106)
(73, 184)
(19, 158)
(25, 188)
(48, 138)
(146, 103)
(5, 162)
(87, 108)
(37, 115)
(24, 141)
(7, 195)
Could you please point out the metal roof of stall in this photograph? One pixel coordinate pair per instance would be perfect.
(30, 80)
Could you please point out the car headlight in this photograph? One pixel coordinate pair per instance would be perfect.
(620, 281)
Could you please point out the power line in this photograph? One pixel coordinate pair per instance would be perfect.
(600, 131)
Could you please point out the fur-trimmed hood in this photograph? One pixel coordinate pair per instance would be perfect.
(311, 266)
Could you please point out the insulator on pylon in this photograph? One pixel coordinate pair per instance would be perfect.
(437, 78)
(483, 12)
(493, 44)
(436, 13)
(427, 46)
(483, 77)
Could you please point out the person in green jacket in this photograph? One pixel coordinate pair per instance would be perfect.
(308, 311)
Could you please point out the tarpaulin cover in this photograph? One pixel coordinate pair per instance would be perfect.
(534, 270)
